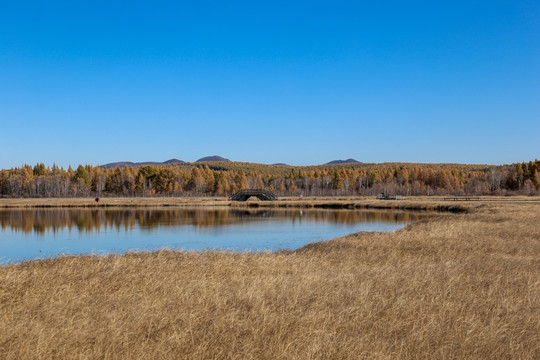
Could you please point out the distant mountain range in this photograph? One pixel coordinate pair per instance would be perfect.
(348, 161)
(133, 164)
(212, 158)
(171, 161)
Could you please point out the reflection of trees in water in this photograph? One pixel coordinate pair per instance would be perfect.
(43, 220)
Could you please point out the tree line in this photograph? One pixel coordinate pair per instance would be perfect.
(224, 179)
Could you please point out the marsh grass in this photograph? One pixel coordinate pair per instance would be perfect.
(346, 202)
(112, 202)
(461, 286)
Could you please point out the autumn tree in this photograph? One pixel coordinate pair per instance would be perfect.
(4, 177)
(145, 179)
(165, 181)
(39, 169)
(242, 181)
(197, 181)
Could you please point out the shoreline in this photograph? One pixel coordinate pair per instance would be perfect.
(420, 203)
(318, 202)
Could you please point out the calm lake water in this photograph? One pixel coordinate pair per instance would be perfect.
(33, 234)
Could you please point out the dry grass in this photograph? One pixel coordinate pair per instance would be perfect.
(114, 201)
(416, 203)
(454, 286)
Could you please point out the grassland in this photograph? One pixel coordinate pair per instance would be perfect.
(351, 202)
(463, 285)
(112, 202)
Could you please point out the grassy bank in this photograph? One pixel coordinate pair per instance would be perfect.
(453, 286)
(352, 202)
(112, 202)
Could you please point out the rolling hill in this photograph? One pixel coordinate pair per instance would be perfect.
(212, 158)
(348, 161)
(134, 164)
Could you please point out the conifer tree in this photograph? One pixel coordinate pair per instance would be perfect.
(82, 174)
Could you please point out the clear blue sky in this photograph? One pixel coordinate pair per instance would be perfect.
(298, 82)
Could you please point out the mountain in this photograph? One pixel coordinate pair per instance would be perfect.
(212, 158)
(132, 164)
(348, 161)
(173, 161)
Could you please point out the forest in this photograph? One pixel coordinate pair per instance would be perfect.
(226, 178)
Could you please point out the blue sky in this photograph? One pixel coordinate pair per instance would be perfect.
(298, 82)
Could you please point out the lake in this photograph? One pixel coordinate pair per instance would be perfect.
(44, 233)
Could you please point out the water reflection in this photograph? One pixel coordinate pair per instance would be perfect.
(41, 221)
(42, 233)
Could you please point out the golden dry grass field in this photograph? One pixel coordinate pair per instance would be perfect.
(453, 286)
(416, 203)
